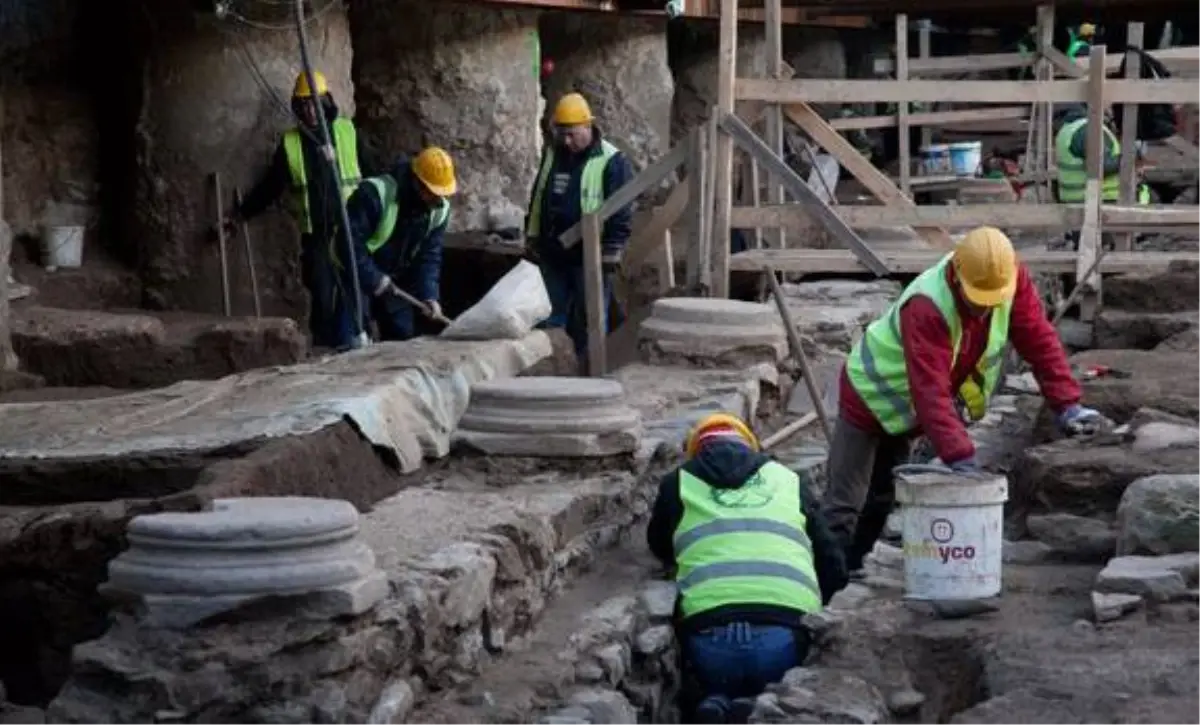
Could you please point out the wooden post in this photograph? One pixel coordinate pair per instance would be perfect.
(773, 19)
(707, 257)
(723, 161)
(666, 265)
(697, 171)
(750, 194)
(1089, 235)
(902, 109)
(1129, 119)
(1045, 25)
(924, 49)
(593, 295)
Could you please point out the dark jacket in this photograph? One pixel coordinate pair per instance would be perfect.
(559, 217)
(323, 186)
(729, 465)
(412, 257)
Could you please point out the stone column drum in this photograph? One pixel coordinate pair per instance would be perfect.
(549, 417)
(183, 568)
(709, 331)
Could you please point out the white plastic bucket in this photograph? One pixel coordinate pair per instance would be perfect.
(62, 246)
(953, 534)
(966, 158)
(935, 159)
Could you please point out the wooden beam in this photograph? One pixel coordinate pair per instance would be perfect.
(594, 297)
(841, 261)
(923, 50)
(1177, 60)
(1135, 35)
(809, 200)
(1062, 64)
(698, 258)
(775, 69)
(644, 241)
(650, 177)
(1044, 131)
(1170, 90)
(934, 118)
(1089, 234)
(666, 263)
(872, 178)
(723, 157)
(902, 109)
(1015, 216)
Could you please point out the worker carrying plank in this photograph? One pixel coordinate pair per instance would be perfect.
(933, 359)
(579, 170)
(752, 556)
(301, 164)
(398, 223)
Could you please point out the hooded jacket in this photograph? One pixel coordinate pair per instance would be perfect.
(729, 464)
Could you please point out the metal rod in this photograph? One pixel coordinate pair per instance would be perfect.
(798, 353)
(788, 430)
(237, 199)
(227, 303)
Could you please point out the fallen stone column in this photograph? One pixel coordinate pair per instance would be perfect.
(707, 332)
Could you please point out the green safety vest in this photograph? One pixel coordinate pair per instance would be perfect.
(744, 546)
(1072, 170)
(1078, 47)
(876, 365)
(345, 145)
(385, 186)
(591, 186)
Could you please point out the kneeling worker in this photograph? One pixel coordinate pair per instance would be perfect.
(938, 349)
(397, 221)
(752, 556)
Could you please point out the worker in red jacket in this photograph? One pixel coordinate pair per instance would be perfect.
(928, 365)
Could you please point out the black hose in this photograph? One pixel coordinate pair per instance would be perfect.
(337, 174)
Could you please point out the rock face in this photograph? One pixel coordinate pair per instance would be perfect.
(694, 63)
(1175, 290)
(199, 113)
(464, 79)
(1119, 329)
(1074, 538)
(1159, 578)
(598, 55)
(1160, 515)
(182, 568)
(716, 332)
(809, 694)
(833, 312)
(549, 417)
(8, 359)
(1154, 381)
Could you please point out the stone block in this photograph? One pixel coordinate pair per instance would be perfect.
(808, 694)
(549, 417)
(1025, 552)
(1109, 607)
(183, 568)
(605, 706)
(655, 639)
(1074, 538)
(1160, 515)
(658, 599)
(833, 312)
(1159, 578)
(714, 332)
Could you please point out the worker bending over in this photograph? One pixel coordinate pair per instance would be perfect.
(578, 171)
(939, 348)
(1070, 149)
(397, 223)
(301, 165)
(752, 556)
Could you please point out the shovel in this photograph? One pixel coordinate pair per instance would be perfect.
(421, 306)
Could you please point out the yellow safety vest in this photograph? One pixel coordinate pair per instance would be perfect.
(345, 144)
(385, 186)
(591, 185)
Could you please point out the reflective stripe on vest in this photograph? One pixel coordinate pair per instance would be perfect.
(746, 545)
(345, 144)
(876, 366)
(1072, 170)
(385, 187)
(591, 185)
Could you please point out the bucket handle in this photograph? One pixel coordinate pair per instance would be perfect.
(915, 468)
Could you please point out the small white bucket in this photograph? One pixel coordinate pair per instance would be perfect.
(966, 158)
(953, 534)
(935, 159)
(62, 246)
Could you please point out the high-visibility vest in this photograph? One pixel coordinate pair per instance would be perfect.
(345, 144)
(1072, 169)
(876, 366)
(386, 187)
(747, 545)
(1078, 47)
(591, 185)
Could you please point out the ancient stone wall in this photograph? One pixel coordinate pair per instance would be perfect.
(459, 76)
(202, 110)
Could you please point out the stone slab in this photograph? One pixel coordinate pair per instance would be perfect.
(1153, 577)
(703, 327)
(549, 405)
(1110, 607)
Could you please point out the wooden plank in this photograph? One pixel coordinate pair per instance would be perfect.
(872, 178)
(1089, 234)
(666, 263)
(923, 50)
(697, 187)
(1177, 60)
(593, 295)
(1015, 216)
(1135, 35)
(1169, 90)
(902, 109)
(841, 261)
(750, 195)
(775, 69)
(1062, 64)
(1045, 132)
(650, 177)
(723, 153)
(933, 118)
(809, 200)
(645, 241)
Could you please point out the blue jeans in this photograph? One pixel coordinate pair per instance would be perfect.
(564, 285)
(740, 659)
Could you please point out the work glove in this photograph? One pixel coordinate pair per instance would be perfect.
(965, 465)
(610, 262)
(385, 286)
(1076, 420)
(435, 309)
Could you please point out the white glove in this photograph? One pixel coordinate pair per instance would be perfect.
(435, 309)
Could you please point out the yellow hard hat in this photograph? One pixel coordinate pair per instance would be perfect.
(301, 89)
(1087, 29)
(572, 110)
(714, 423)
(435, 169)
(986, 266)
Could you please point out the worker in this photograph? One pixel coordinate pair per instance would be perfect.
(397, 223)
(579, 170)
(1081, 41)
(1027, 46)
(937, 351)
(302, 165)
(1070, 145)
(752, 556)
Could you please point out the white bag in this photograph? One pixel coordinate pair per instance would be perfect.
(508, 311)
